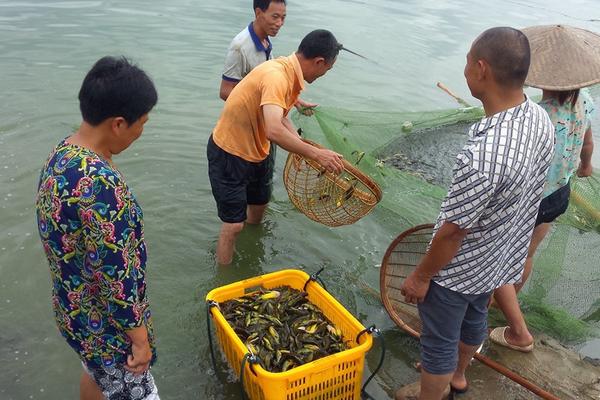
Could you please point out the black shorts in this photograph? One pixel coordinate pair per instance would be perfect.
(554, 205)
(237, 183)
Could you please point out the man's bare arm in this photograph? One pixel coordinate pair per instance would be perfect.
(444, 246)
(585, 166)
(226, 88)
(281, 131)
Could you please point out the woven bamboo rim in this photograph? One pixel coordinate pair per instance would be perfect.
(398, 262)
(328, 198)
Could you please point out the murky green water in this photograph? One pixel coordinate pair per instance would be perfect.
(45, 50)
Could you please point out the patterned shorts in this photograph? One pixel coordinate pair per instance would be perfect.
(117, 383)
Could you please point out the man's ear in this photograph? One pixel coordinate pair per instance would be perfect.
(319, 61)
(118, 123)
(483, 69)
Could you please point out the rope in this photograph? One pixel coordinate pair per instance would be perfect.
(210, 304)
(372, 330)
(315, 277)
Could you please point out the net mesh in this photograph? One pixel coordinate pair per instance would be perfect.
(411, 154)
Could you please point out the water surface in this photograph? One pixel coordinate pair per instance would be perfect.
(47, 47)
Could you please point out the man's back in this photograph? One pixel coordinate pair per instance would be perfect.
(497, 186)
(240, 129)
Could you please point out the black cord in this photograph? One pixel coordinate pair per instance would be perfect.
(210, 304)
(252, 359)
(372, 330)
(315, 277)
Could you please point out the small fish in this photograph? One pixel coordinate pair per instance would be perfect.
(334, 331)
(312, 329)
(267, 344)
(282, 328)
(273, 294)
(287, 364)
(312, 347)
(252, 348)
(274, 335)
(273, 320)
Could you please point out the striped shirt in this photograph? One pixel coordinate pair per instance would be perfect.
(498, 181)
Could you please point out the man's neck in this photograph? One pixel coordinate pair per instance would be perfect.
(92, 138)
(262, 35)
(499, 101)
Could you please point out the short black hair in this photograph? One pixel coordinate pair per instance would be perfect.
(264, 4)
(114, 87)
(508, 53)
(320, 43)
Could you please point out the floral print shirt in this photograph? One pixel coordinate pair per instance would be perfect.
(91, 228)
(570, 125)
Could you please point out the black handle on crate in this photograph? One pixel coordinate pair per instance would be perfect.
(372, 330)
(248, 358)
(315, 278)
(210, 304)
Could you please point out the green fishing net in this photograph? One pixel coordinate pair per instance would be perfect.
(364, 136)
(411, 155)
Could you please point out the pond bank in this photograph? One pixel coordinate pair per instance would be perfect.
(551, 366)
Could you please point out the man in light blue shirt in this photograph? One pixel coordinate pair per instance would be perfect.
(252, 47)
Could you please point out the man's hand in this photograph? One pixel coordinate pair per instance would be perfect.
(139, 361)
(414, 288)
(584, 170)
(305, 108)
(330, 160)
(280, 130)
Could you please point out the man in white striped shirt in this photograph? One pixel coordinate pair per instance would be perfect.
(486, 220)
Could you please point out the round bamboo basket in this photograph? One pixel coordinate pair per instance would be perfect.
(400, 259)
(330, 199)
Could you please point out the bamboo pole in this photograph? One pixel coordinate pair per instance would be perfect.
(455, 97)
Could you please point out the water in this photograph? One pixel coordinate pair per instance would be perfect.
(47, 47)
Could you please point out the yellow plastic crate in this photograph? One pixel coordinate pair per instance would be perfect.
(336, 377)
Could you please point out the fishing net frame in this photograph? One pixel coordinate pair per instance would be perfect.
(399, 260)
(327, 198)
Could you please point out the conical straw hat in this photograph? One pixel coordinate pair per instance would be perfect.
(563, 57)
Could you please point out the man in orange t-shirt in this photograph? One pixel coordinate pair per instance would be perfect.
(256, 114)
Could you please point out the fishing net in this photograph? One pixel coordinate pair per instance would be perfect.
(330, 199)
(410, 198)
(411, 154)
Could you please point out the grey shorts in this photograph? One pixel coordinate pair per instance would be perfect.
(117, 383)
(449, 317)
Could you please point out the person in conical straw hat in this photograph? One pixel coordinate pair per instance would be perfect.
(564, 60)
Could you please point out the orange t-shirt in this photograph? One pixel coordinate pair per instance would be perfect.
(241, 128)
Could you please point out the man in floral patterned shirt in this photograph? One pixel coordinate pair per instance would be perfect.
(91, 228)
